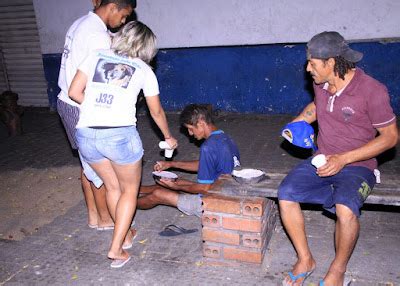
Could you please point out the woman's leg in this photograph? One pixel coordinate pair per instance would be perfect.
(122, 183)
(129, 176)
(106, 172)
(121, 178)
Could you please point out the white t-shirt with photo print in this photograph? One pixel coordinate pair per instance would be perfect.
(114, 83)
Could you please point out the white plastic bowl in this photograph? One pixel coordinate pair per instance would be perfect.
(248, 176)
(165, 175)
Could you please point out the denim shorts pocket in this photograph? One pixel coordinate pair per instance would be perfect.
(86, 147)
(136, 144)
(123, 148)
(116, 148)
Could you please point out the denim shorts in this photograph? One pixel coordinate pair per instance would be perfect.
(121, 145)
(350, 187)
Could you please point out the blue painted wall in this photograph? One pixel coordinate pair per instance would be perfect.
(51, 64)
(266, 79)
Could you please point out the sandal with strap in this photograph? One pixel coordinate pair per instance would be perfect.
(294, 278)
(174, 230)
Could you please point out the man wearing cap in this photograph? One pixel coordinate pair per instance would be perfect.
(351, 108)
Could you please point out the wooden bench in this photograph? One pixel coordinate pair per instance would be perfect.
(385, 193)
(239, 219)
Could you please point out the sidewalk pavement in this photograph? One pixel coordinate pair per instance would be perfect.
(66, 251)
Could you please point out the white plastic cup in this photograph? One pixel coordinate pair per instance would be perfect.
(163, 145)
(168, 152)
(319, 160)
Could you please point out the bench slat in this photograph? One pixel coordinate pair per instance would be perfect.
(386, 193)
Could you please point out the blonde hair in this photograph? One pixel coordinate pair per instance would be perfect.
(135, 40)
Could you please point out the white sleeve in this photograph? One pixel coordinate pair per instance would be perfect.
(150, 87)
(87, 63)
(89, 43)
(98, 41)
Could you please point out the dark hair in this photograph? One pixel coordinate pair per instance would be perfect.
(192, 113)
(120, 3)
(342, 66)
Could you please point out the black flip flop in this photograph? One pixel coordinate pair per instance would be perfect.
(174, 230)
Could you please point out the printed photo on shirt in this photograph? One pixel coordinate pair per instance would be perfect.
(113, 73)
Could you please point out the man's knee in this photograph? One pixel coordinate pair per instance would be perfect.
(287, 204)
(158, 195)
(345, 215)
(154, 194)
(288, 208)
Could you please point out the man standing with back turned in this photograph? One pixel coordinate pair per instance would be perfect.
(351, 108)
(86, 34)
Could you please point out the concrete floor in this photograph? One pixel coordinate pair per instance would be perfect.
(66, 251)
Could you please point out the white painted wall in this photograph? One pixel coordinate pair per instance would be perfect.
(54, 18)
(195, 23)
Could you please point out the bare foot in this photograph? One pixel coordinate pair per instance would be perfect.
(334, 278)
(104, 222)
(301, 270)
(92, 223)
(122, 255)
(93, 226)
(92, 218)
(106, 225)
(118, 263)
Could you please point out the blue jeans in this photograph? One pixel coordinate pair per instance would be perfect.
(121, 145)
(350, 187)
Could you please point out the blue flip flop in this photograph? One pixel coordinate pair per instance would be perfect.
(294, 278)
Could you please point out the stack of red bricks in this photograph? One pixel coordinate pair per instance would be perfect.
(237, 228)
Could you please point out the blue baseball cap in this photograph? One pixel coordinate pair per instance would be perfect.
(299, 133)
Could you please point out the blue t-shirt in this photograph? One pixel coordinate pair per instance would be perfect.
(218, 155)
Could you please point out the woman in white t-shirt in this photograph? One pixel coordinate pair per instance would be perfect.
(107, 85)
